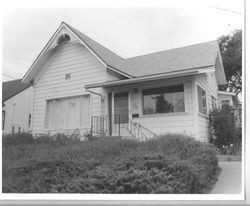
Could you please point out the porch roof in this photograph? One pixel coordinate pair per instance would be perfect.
(168, 75)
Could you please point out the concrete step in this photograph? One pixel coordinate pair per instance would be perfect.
(128, 137)
(123, 132)
(106, 138)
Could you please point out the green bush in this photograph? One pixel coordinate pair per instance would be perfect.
(224, 127)
(169, 164)
(224, 132)
(17, 139)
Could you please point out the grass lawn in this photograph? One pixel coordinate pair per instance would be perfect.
(169, 164)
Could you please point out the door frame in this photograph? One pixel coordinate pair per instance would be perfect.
(112, 94)
(128, 105)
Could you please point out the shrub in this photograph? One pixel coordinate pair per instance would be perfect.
(17, 139)
(59, 139)
(169, 164)
(224, 127)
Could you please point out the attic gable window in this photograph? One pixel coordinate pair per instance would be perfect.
(163, 100)
(62, 38)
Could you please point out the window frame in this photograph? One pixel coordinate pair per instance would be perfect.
(162, 88)
(65, 97)
(213, 103)
(3, 119)
(202, 98)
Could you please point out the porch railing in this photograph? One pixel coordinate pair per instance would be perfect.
(108, 125)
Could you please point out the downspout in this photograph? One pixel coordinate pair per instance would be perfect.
(98, 95)
(101, 104)
(94, 93)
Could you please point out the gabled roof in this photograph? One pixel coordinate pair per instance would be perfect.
(188, 57)
(200, 56)
(108, 57)
(12, 88)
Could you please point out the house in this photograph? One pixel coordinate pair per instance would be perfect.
(231, 99)
(81, 85)
(16, 106)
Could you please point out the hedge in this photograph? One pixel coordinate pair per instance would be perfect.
(169, 164)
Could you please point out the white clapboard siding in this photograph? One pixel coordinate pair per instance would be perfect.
(17, 110)
(83, 67)
(209, 83)
(112, 76)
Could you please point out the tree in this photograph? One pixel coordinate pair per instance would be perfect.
(231, 52)
(163, 105)
(224, 131)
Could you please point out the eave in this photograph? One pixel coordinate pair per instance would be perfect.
(151, 78)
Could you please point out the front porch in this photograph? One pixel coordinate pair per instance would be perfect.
(147, 109)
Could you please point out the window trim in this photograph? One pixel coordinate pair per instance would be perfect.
(198, 85)
(65, 97)
(3, 119)
(165, 113)
(214, 106)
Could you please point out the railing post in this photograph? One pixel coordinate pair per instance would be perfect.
(91, 128)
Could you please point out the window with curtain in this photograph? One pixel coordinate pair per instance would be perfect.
(67, 113)
(202, 100)
(163, 100)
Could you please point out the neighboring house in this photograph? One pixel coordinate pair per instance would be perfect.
(231, 99)
(16, 106)
(80, 84)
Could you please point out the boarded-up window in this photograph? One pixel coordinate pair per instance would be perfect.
(67, 113)
(202, 100)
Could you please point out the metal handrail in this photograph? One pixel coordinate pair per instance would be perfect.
(106, 124)
(131, 123)
(109, 124)
(139, 125)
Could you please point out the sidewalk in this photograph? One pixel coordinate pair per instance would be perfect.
(229, 180)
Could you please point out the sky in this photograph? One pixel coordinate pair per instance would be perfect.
(126, 30)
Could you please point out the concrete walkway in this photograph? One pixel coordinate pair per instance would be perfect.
(229, 180)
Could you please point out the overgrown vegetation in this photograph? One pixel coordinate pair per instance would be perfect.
(169, 164)
(224, 132)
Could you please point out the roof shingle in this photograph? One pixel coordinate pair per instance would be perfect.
(11, 88)
(183, 58)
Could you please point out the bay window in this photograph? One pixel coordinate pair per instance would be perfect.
(163, 100)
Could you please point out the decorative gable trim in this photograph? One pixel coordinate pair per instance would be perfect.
(97, 56)
(63, 29)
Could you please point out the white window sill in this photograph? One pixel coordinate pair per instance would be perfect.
(163, 115)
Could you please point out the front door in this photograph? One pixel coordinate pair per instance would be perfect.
(121, 108)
